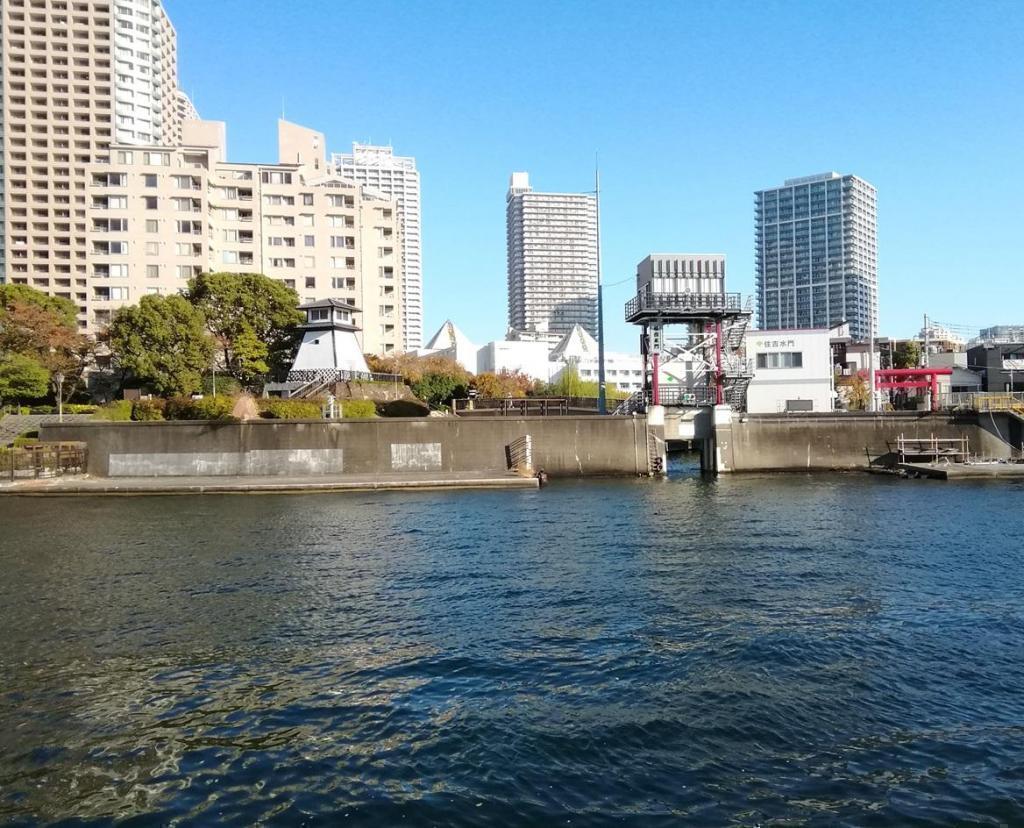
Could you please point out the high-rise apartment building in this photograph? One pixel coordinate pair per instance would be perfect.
(395, 177)
(552, 259)
(77, 75)
(816, 254)
(159, 215)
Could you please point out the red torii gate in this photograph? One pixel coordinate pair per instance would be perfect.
(912, 378)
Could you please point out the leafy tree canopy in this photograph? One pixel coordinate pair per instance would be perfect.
(254, 319)
(503, 384)
(22, 378)
(907, 355)
(162, 341)
(63, 308)
(43, 327)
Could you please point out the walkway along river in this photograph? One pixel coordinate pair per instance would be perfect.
(750, 649)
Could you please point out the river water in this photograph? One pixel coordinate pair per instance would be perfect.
(753, 650)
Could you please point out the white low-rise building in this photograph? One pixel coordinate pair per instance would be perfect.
(792, 371)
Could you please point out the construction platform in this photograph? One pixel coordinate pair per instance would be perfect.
(962, 471)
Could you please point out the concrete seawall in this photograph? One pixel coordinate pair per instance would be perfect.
(818, 442)
(563, 446)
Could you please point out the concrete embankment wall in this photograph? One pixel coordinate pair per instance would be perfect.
(794, 442)
(562, 446)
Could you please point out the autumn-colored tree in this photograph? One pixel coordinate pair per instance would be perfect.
(43, 328)
(503, 384)
(854, 389)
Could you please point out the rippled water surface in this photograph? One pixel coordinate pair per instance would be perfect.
(754, 650)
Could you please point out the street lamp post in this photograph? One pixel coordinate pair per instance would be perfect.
(58, 380)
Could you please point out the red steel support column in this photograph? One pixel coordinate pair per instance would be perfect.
(719, 395)
(655, 391)
(935, 392)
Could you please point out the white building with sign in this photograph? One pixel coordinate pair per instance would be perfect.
(792, 371)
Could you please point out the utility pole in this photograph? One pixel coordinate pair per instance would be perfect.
(872, 405)
(602, 399)
(927, 333)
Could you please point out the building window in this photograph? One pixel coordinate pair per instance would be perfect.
(269, 177)
(157, 159)
(149, 180)
(119, 271)
(124, 157)
(150, 202)
(784, 359)
(152, 226)
(152, 248)
(307, 199)
(309, 241)
(311, 281)
(152, 271)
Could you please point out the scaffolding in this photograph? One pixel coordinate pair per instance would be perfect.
(696, 340)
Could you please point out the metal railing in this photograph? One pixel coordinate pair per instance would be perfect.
(43, 460)
(318, 380)
(982, 401)
(645, 301)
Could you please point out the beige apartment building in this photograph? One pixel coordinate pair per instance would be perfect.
(158, 215)
(77, 76)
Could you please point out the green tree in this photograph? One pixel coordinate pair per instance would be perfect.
(163, 342)
(22, 378)
(439, 388)
(568, 383)
(907, 354)
(254, 319)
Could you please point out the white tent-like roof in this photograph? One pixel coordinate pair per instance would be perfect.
(576, 346)
(449, 336)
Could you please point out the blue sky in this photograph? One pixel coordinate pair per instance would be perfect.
(691, 106)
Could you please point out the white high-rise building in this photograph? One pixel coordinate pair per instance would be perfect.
(552, 259)
(817, 254)
(395, 177)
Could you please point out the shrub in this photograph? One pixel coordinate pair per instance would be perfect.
(275, 408)
(148, 410)
(79, 408)
(116, 411)
(206, 408)
(227, 385)
(404, 408)
(43, 409)
(29, 438)
(436, 388)
(358, 409)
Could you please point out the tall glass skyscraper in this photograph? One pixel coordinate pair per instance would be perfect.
(817, 254)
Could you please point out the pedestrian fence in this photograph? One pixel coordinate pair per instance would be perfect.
(42, 460)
